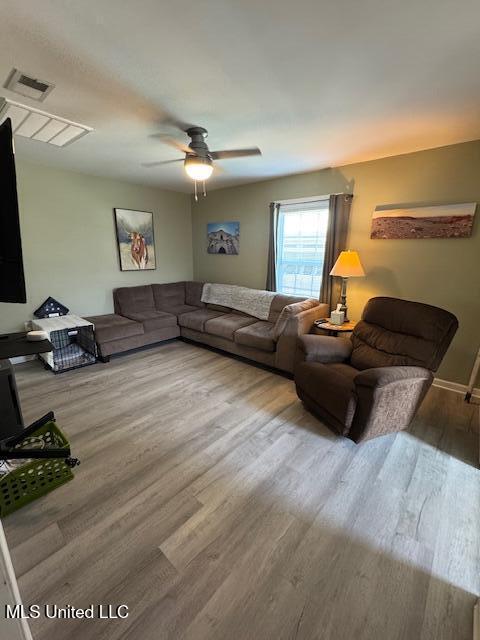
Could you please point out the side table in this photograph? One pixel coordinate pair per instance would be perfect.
(332, 329)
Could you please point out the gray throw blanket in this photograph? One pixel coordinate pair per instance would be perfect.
(255, 302)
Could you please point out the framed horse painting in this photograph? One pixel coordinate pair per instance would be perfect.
(135, 240)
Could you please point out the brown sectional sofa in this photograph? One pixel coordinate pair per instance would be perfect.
(149, 314)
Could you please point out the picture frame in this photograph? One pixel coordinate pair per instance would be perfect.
(223, 238)
(135, 239)
(423, 222)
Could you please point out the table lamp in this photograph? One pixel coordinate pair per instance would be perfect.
(348, 265)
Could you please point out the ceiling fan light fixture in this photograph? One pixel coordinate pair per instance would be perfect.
(198, 168)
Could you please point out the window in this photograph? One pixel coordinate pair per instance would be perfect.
(301, 236)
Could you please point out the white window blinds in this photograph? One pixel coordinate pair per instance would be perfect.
(301, 236)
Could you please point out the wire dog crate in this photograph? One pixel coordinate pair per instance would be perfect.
(73, 340)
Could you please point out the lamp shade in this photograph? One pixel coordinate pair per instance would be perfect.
(348, 265)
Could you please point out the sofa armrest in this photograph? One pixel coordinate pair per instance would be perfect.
(387, 400)
(298, 318)
(324, 349)
(295, 325)
(381, 376)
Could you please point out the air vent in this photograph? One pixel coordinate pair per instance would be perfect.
(39, 125)
(26, 85)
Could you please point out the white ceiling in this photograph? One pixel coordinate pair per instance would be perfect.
(313, 83)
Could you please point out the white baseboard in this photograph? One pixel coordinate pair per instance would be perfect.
(455, 386)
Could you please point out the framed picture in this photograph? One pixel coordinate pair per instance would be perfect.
(135, 240)
(439, 221)
(223, 237)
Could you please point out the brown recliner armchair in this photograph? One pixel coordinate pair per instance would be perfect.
(373, 383)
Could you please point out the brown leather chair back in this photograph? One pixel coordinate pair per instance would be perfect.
(395, 332)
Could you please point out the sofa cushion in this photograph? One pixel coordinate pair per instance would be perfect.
(331, 387)
(226, 325)
(218, 307)
(182, 308)
(279, 302)
(193, 293)
(258, 335)
(196, 319)
(168, 295)
(153, 320)
(114, 327)
(133, 299)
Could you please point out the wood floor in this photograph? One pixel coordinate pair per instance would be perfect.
(213, 505)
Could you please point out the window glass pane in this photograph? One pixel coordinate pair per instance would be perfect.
(301, 250)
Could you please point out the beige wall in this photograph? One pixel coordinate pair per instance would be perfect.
(69, 245)
(439, 272)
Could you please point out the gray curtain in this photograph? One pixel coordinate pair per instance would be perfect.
(338, 216)
(272, 248)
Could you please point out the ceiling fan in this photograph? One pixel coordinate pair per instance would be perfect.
(198, 160)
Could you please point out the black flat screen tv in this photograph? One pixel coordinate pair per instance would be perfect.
(12, 281)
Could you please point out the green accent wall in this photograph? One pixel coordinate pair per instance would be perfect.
(443, 272)
(70, 252)
(69, 242)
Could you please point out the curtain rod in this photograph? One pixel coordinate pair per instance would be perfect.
(312, 198)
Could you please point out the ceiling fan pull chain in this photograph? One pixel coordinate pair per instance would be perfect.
(196, 195)
(204, 190)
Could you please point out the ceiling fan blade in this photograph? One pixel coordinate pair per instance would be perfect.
(157, 164)
(235, 153)
(166, 139)
(170, 120)
(218, 169)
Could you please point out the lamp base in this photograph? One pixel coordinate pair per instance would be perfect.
(343, 299)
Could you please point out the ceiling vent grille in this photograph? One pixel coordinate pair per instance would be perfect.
(26, 85)
(39, 125)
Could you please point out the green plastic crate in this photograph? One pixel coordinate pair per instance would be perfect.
(37, 478)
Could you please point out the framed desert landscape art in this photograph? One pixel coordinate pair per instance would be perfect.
(441, 221)
(135, 239)
(223, 237)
